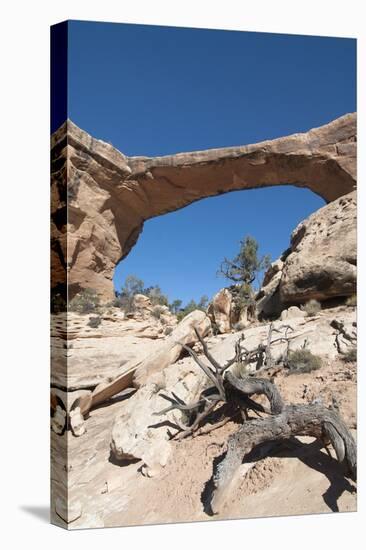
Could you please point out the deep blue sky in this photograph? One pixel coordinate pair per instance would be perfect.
(160, 90)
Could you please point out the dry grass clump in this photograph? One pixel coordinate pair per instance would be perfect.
(94, 322)
(352, 301)
(311, 308)
(351, 355)
(302, 360)
(86, 301)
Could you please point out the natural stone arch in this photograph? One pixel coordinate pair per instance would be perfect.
(101, 198)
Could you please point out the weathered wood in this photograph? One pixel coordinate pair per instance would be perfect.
(227, 389)
(283, 421)
(294, 420)
(259, 386)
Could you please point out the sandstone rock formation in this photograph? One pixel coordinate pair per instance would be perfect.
(268, 300)
(227, 310)
(100, 198)
(100, 363)
(320, 263)
(291, 313)
(320, 334)
(103, 491)
(98, 212)
(142, 308)
(138, 433)
(220, 310)
(83, 357)
(170, 351)
(142, 305)
(323, 258)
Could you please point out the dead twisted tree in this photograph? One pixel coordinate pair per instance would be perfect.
(233, 395)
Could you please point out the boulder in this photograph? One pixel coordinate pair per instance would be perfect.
(142, 304)
(144, 309)
(323, 257)
(83, 357)
(268, 299)
(273, 270)
(220, 310)
(138, 433)
(346, 327)
(291, 313)
(171, 348)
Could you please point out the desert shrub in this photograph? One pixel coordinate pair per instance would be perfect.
(175, 306)
(311, 308)
(133, 285)
(192, 306)
(351, 355)
(86, 301)
(125, 298)
(116, 302)
(156, 296)
(352, 301)
(58, 303)
(243, 296)
(302, 360)
(214, 328)
(239, 326)
(94, 322)
(157, 311)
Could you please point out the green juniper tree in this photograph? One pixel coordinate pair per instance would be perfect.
(124, 299)
(243, 270)
(175, 306)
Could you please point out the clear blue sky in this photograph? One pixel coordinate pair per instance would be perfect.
(160, 90)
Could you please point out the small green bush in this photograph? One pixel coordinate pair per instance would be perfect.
(302, 360)
(351, 355)
(86, 301)
(311, 308)
(94, 322)
(352, 301)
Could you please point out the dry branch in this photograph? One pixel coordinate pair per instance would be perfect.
(226, 390)
(283, 421)
(295, 420)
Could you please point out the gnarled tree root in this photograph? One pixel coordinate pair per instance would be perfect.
(294, 420)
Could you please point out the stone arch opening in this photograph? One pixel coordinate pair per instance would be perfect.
(181, 251)
(101, 198)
